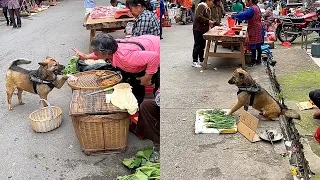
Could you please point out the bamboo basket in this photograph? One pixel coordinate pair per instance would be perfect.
(46, 118)
(101, 133)
(99, 127)
(88, 80)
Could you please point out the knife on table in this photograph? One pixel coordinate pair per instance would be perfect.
(100, 91)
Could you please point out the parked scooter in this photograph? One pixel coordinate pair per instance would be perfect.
(290, 27)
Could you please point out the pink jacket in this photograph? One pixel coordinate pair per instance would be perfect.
(130, 58)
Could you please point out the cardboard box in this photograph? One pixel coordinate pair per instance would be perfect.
(248, 125)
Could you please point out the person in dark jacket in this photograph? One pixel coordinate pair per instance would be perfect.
(162, 11)
(201, 25)
(146, 22)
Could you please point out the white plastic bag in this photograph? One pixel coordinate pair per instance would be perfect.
(123, 98)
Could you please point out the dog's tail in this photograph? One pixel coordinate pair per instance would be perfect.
(290, 113)
(18, 62)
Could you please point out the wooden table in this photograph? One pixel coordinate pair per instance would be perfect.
(219, 39)
(105, 24)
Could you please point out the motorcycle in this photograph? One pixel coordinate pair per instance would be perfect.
(290, 27)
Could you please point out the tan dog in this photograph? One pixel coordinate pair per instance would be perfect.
(252, 94)
(40, 81)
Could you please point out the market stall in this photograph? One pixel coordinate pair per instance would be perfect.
(105, 20)
(225, 37)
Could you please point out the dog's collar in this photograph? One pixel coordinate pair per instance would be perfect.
(35, 78)
(253, 88)
(39, 80)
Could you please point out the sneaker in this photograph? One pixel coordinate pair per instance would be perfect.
(196, 65)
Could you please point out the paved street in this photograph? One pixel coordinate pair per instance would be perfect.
(208, 156)
(26, 155)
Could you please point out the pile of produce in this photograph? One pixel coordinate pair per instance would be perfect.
(103, 12)
(144, 168)
(222, 27)
(71, 68)
(218, 119)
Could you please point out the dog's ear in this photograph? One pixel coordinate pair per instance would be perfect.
(241, 75)
(48, 57)
(43, 64)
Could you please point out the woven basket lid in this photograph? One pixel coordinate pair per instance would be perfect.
(92, 104)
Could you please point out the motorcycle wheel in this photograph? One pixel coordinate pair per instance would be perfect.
(281, 35)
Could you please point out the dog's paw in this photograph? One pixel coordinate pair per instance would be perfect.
(10, 108)
(22, 103)
(65, 77)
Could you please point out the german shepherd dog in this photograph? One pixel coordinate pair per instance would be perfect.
(40, 81)
(252, 94)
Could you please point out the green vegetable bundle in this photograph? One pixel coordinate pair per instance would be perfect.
(144, 169)
(71, 68)
(218, 119)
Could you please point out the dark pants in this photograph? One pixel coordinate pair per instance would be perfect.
(315, 97)
(137, 89)
(5, 13)
(38, 2)
(12, 19)
(256, 58)
(198, 47)
(149, 121)
(161, 25)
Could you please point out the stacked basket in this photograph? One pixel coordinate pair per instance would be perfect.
(99, 127)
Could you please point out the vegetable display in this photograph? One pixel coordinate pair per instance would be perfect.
(71, 68)
(144, 168)
(218, 119)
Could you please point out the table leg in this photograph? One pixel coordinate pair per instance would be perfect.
(92, 34)
(302, 39)
(306, 40)
(243, 60)
(204, 66)
(215, 46)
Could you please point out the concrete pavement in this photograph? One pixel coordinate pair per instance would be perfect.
(208, 156)
(54, 155)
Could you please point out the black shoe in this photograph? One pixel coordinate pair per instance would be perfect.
(14, 26)
(11, 24)
(251, 64)
(258, 62)
(8, 23)
(19, 26)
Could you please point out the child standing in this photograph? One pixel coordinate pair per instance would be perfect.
(89, 5)
(255, 29)
(115, 3)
